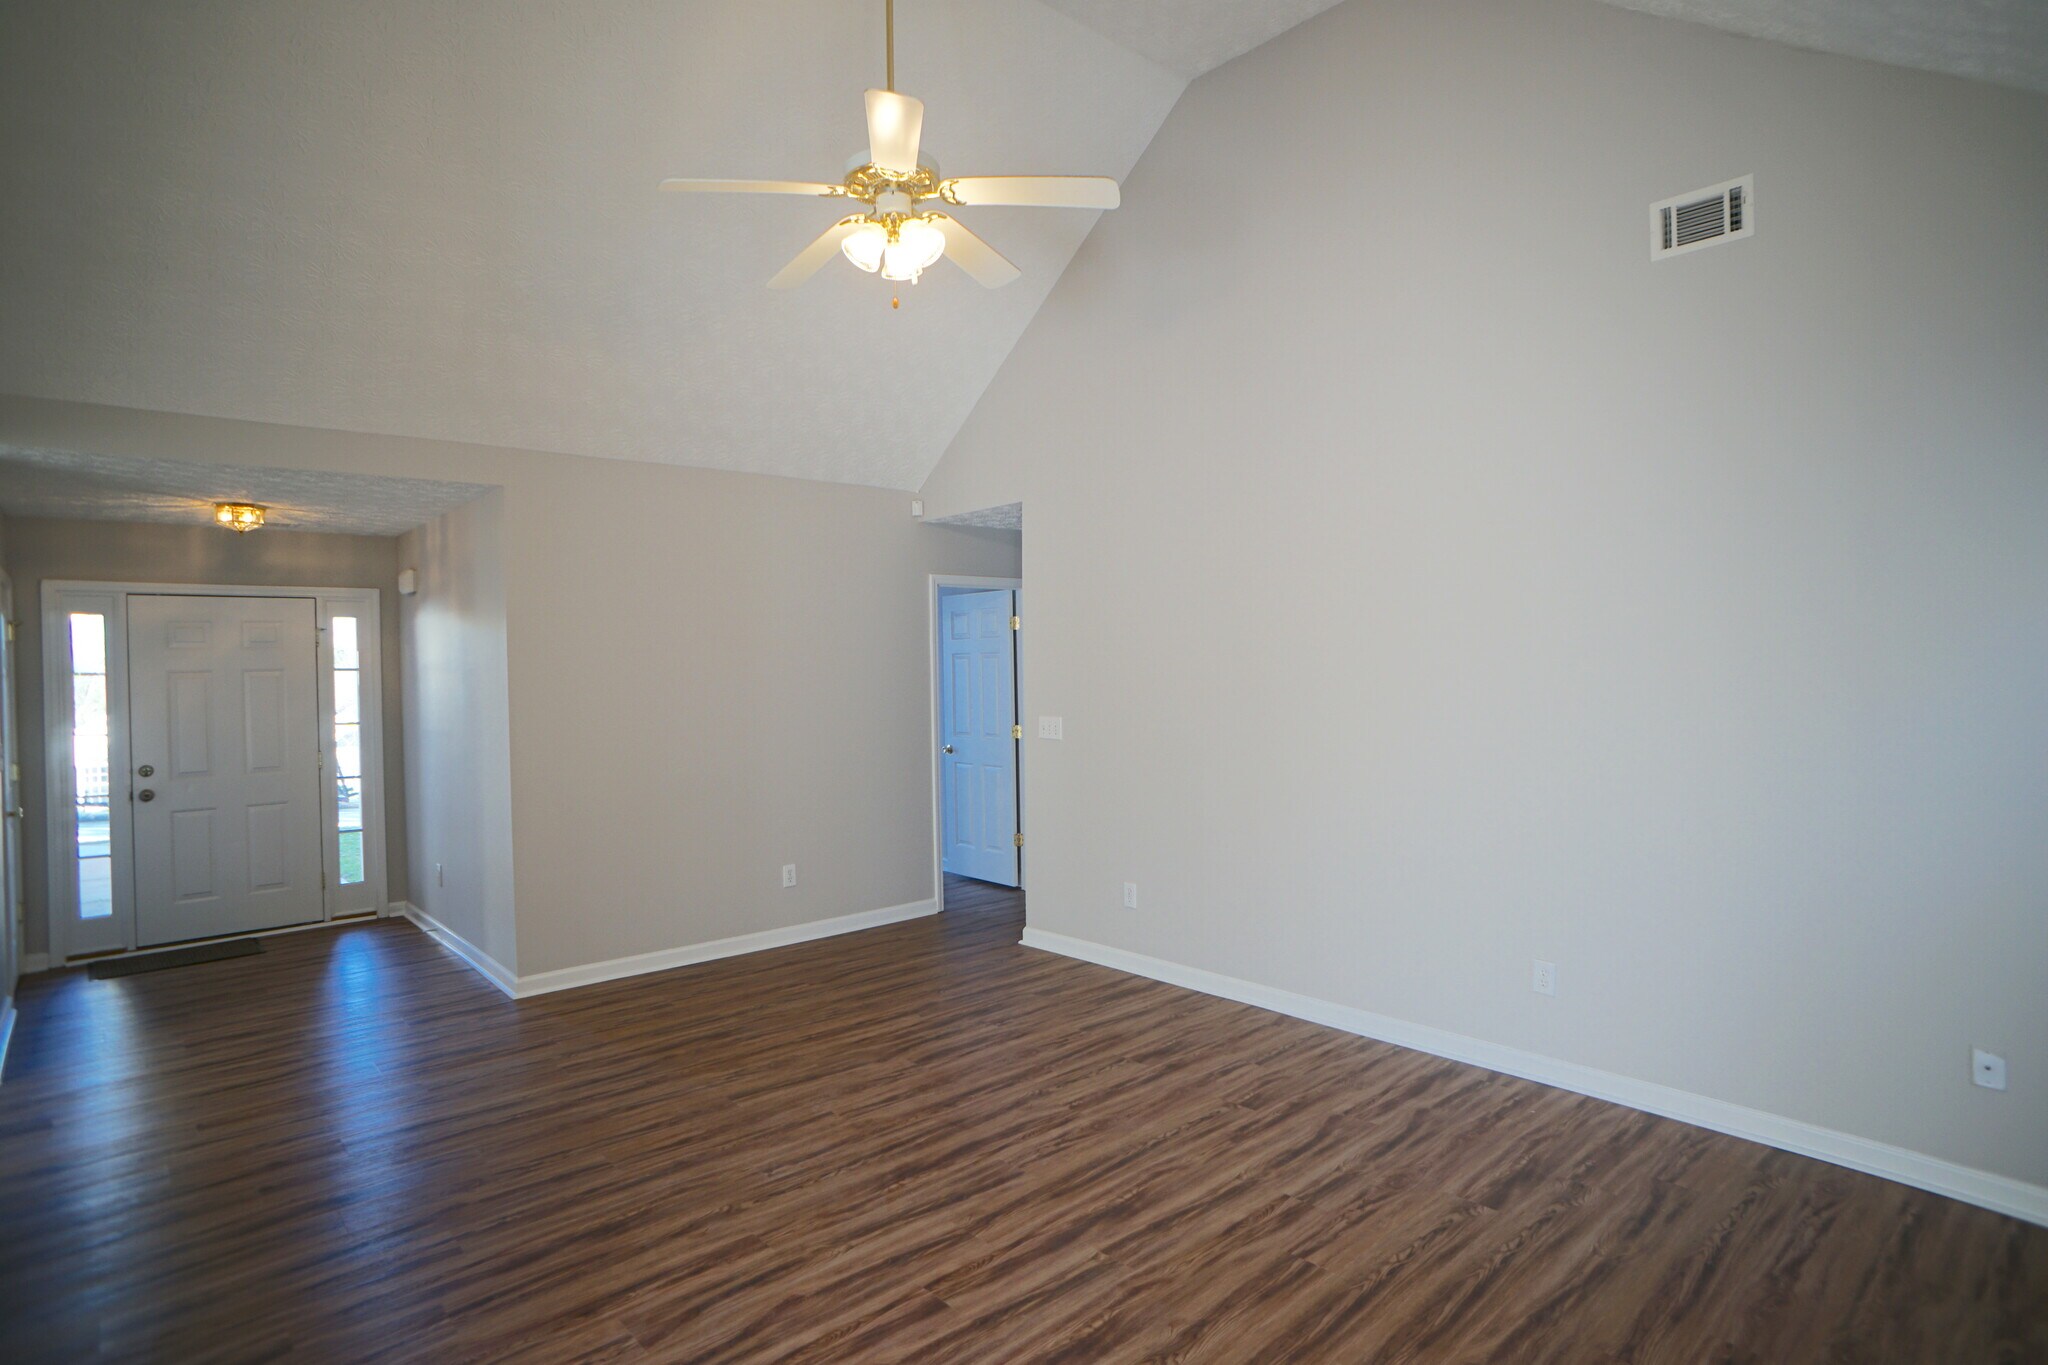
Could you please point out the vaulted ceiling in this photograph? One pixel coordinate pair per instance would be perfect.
(434, 218)
(438, 218)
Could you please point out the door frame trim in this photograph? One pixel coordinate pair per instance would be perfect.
(60, 823)
(933, 583)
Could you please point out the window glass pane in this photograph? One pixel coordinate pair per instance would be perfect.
(89, 769)
(346, 706)
(348, 750)
(89, 709)
(351, 857)
(89, 785)
(345, 653)
(348, 803)
(88, 642)
(95, 888)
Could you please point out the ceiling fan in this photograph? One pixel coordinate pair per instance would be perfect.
(894, 234)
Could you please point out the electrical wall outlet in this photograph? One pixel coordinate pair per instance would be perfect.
(1543, 977)
(789, 874)
(1987, 1069)
(1130, 895)
(1051, 727)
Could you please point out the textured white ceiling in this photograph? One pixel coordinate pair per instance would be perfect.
(1993, 40)
(432, 218)
(50, 483)
(1007, 517)
(1192, 36)
(438, 218)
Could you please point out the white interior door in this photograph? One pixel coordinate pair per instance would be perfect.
(225, 776)
(978, 708)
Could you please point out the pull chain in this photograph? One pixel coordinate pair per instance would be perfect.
(889, 24)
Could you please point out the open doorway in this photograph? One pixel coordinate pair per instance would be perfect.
(977, 732)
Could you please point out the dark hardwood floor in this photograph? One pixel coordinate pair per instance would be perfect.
(921, 1142)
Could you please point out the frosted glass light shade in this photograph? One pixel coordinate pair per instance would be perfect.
(918, 243)
(865, 246)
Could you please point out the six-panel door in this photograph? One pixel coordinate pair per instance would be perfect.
(978, 707)
(225, 776)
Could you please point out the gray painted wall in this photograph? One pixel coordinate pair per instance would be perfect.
(1431, 583)
(713, 675)
(139, 552)
(458, 735)
(709, 675)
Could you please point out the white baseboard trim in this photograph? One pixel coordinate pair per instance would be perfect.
(31, 963)
(589, 974)
(487, 966)
(1999, 1193)
(7, 1015)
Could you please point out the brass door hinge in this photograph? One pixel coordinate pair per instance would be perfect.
(1016, 732)
(1016, 622)
(1020, 840)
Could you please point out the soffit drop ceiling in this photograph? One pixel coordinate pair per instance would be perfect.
(439, 219)
(85, 487)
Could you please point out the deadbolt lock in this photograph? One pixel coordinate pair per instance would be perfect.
(147, 770)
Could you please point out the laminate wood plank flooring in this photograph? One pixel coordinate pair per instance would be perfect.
(922, 1142)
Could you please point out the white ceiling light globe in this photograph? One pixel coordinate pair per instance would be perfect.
(923, 240)
(864, 246)
(917, 245)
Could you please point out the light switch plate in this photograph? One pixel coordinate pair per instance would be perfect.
(1052, 727)
(917, 507)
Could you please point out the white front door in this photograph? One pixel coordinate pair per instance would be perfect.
(224, 765)
(978, 708)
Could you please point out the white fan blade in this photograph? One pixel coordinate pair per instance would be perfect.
(989, 267)
(754, 187)
(895, 126)
(812, 258)
(1037, 191)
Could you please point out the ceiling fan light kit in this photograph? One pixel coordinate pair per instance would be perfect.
(895, 236)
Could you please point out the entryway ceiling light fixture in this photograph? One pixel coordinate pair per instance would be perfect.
(238, 517)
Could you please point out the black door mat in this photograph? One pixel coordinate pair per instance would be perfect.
(174, 957)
